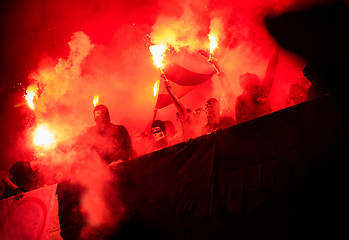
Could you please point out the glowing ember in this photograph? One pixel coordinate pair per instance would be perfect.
(95, 100)
(158, 54)
(43, 137)
(156, 88)
(213, 42)
(30, 99)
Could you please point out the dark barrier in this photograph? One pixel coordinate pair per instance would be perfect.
(280, 176)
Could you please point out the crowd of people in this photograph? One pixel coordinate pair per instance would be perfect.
(113, 142)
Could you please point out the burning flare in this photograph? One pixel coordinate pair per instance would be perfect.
(95, 100)
(213, 42)
(156, 88)
(30, 98)
(43, 136)
(158, 54)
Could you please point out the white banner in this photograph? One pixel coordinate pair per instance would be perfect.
(28, 218)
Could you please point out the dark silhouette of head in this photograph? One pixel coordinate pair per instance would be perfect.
(249, 82)
(212, 109)
(101, 115)
(158, 130)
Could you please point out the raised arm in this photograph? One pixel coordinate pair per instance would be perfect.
(268, 80)
(6, 180)
(183, 115)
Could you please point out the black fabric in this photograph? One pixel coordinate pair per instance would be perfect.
(250, 180)
(268, 178)
(72, 220)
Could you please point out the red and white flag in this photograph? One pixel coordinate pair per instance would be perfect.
(185, 71)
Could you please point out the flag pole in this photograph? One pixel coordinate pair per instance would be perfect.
(156, 109)
(154, 115)
(213, 61)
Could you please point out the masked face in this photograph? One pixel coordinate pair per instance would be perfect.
(158, 134)
(100, 118)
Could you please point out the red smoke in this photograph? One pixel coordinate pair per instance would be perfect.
(74, 50)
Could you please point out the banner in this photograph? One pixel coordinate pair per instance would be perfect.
(28, 218)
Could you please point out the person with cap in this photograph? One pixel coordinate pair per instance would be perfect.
(215, 120)
(112, 142)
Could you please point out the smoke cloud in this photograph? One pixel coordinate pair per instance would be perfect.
(69, 52)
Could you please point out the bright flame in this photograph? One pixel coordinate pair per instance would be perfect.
(158, 54)
(156, 88)
(43, 137)
(30, 98)
(213, 42)
(95, 100)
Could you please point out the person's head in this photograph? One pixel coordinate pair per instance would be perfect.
(212, 110)
(158, 130)
(24, 176)
(101, 115)
(312, 74)
(170, 128)
(249, 82)
(297, 93)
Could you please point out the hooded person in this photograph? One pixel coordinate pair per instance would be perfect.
(111, 142)
(158, 130)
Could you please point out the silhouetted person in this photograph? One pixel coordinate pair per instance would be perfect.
(317, 88)
(161, 140)
(21, 178)
(170, 130)
(214, 119)
(111, 142)
(183, 114)
(297, 94)
(320, 35)
(113, 145)
(254, 101)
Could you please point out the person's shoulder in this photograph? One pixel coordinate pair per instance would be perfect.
(227, 121)
(119, 127)
(87, 131)
(244, 97)
(242, 100)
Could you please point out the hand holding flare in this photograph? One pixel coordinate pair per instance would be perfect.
(213, 45)
(158, 56)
